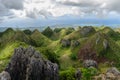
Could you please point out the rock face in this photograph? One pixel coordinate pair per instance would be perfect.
(75, 43)
(105, 44)
(27, 64)
(114, 71)
(111, 74)
(65, 43)
(5, 76)
(90, 63)
(68, 43)
(78, 75)
(87, 30)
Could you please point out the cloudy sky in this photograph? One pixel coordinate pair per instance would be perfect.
(30, 13)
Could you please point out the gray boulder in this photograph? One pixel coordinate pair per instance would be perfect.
(86, 30)
(27, 64)
(65, 42)
(105, 44)
(5, 76)
(78, 74)
(90, 63)
(114, 71)
(75, 43)
(111, 74)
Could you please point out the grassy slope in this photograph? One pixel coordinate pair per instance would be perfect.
(39, 39)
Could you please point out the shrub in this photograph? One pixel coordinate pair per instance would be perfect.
(27, 31)
(68, 74)
(88, 73)
(51, 56)
(73, 56)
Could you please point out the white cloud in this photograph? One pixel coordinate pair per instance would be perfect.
(56, 8)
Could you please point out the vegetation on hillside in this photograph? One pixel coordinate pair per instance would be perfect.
(68, 47)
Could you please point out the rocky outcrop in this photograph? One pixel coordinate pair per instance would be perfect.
(68, 43)
(90, 63)
(78, 74)
(111, 74)
(86, 30)
(114, 71)
(65, 42)
(105, 44)
(5, 76)
(75, 43)
(27, 64)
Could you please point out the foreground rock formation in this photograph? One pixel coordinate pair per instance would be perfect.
(5, 76)
(27, 64)
(111, 74)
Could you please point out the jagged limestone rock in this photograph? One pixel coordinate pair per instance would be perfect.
(98, 38)
(75, 43)
(90, 63)
(114, 71)
(111, 74)
(5, 76)
(65, 42)
(78, 74)
(105, 44)
(86, 30)
(28, 64)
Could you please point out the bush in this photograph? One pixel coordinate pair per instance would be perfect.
(48, 32)
(68, 74)
(27, 31)
(88, 73)
(51, 55)
(73, 56)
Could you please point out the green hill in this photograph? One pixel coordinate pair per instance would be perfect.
(21, 36)
(111, 33)
(101, 48)
(6, 36)
(38, 39)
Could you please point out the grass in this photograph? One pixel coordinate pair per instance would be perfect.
(65, 60)
(38, 39)
(104, 67)
(3, 64)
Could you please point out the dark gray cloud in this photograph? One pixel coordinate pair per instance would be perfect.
(13, 4)
(7, 5)
(79, 3)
